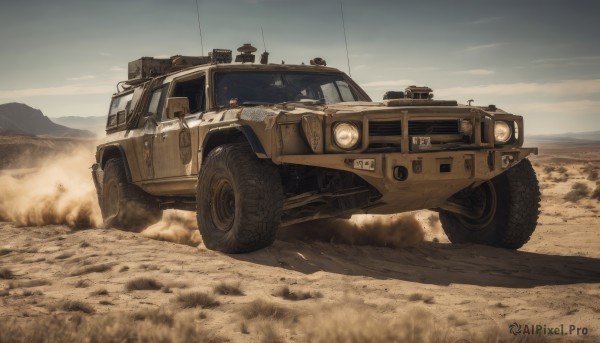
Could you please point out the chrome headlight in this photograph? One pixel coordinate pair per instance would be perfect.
(502, 132)
(346, 135)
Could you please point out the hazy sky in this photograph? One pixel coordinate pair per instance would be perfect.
(539, 59)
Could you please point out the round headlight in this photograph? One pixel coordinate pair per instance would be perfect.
(502, 132)
(346, 135)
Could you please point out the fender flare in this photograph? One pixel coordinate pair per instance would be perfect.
(114, 151)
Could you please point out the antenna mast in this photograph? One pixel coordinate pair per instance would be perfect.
(199, 28)
(263, 37)
(345, 39)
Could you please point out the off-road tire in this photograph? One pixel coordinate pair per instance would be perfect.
(239, 200)
(124, 206)
(517, 212)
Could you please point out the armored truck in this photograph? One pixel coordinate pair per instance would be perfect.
(251, 147)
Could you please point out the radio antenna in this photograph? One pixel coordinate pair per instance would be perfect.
(345, 39)
(199, 28)
(263, 37)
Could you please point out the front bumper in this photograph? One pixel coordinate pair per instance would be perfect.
(413, 181)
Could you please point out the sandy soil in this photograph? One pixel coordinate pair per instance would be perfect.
(421, 289)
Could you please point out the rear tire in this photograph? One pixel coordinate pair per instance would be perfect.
(239, 200)
(124, 206)
(509, 205)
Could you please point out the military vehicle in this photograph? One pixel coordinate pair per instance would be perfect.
(252, 147)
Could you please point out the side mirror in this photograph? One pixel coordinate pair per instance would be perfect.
(177, 107)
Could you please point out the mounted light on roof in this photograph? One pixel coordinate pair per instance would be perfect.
(246, 53)
(218, 56)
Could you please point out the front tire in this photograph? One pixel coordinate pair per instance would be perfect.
(123, 205)
(506, 208)
(239, 200)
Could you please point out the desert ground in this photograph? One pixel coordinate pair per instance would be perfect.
(64, 278)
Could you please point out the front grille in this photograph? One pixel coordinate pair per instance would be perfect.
(385, 128)
(434, 127)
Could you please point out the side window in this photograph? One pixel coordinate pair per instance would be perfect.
(330, 93)
(118, 110)
(195, 91)
(155, 108)
(345, 91)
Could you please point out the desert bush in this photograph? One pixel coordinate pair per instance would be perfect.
(103, 328)
(95, 268)
(76, 306)
(260, 308)
(101, 291)
(197, 299)
(285, 293)
(593, 175)
(82, 283)
(596, 193)
(268, 333)
(27, 283)
(5, 251)
(143, 284)
(561, 170)
(64, 255)
(158, 316)
(427, 299)
(549, 169)
(228, 289)
(579, 190)
(6, 274)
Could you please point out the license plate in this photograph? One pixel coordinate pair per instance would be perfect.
(364, 163)
(421, 141)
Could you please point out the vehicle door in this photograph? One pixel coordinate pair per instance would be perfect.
(175, 144)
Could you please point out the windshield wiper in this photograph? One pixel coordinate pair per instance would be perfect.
(256, 103)
(307, 102)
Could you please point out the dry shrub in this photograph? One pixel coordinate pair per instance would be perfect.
(143, 284)
(65, 255)
(285, 293)
(396, 231)
(197, 299)
(225, 288)
(103, 328)
(596, 193)
(82, 284)
(6, 274)
(260, 308)
(562, 170)
(593, 175)
(268, 333)
(427, 299)
(579, 190)
(27, 283)
(5, 251)
(123, 269)
(549, 169)
(59, 192)
(158, 316)
(101, 291)
(96, 268)
(177, 227)
(76, 306)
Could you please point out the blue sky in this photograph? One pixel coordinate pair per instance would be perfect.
(537, 58)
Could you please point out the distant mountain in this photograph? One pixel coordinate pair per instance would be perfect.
(93, 124)
(22, 119)
(568, 136)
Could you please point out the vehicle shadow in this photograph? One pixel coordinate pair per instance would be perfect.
(431, 263)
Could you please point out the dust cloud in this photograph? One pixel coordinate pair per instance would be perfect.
(59, 190)
(177, 227)
(394, 231)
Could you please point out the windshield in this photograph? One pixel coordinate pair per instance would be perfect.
(252, 88)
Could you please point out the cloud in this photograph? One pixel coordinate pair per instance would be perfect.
(485, 20)
(572, 107)
(80, 78)
(577, 60)
(388, 84)
(59, 90)
(553, 88)
(482, 47)
(478, 72)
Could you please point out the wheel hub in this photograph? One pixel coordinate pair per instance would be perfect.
(222, 204)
